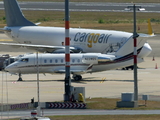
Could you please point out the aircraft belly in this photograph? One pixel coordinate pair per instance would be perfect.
(28, 70)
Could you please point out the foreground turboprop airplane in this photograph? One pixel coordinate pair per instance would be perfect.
(80, 62)
(51, 39)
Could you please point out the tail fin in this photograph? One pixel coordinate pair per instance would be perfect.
(150, 32)
(128, 48)
(14, 15)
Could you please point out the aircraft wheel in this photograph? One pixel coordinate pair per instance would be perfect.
(77, 77)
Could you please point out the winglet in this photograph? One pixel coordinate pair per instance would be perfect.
(150, 32)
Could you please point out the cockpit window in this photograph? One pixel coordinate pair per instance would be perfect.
(24, 59)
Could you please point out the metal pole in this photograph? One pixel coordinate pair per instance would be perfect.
(37, 78)
(39, 107)
(135, 35)
(67, 54)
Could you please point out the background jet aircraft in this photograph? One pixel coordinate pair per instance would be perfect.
(51, 39)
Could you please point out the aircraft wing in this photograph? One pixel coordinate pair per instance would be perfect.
(76, 71)
(72, 71)
(42, 48)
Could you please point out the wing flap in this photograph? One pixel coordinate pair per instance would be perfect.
(61, 71)
(76, 71)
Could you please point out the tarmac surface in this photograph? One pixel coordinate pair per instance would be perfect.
(52, 86)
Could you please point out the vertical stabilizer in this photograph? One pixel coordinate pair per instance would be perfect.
(128, 47)
(150, 32)
(14, 15)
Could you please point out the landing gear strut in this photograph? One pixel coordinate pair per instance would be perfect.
(20, 77)
(77, 77)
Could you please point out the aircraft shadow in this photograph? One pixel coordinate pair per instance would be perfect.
(108, 80)
(83, 81)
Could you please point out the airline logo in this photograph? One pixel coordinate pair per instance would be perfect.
(91, 38)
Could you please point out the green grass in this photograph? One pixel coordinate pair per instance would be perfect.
(110, 104)
(93, 20)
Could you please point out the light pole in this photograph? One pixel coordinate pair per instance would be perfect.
(39, 107)
(135, 35)
(67, 83)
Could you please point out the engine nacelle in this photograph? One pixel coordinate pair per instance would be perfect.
(146, 50)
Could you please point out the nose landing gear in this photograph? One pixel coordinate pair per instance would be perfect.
(20, 77)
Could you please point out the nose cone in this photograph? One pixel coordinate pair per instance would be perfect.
(10, 68)
(146, 50)
(7, 68)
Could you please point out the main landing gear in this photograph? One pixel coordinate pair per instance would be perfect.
(77, 77)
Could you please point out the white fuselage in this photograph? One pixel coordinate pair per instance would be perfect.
(80, 63)
(89, 40)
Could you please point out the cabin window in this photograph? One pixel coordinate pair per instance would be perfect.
(24, 59)
(56, 60)
(73, 60)
(78, 60)
(45, 61)
(50, 61)
(61, 60)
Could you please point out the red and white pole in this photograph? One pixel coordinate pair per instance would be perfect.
(135, 35)
(135, 51)
(135, 71)
(67, 94)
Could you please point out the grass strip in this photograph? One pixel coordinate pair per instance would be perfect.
(93, 20)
